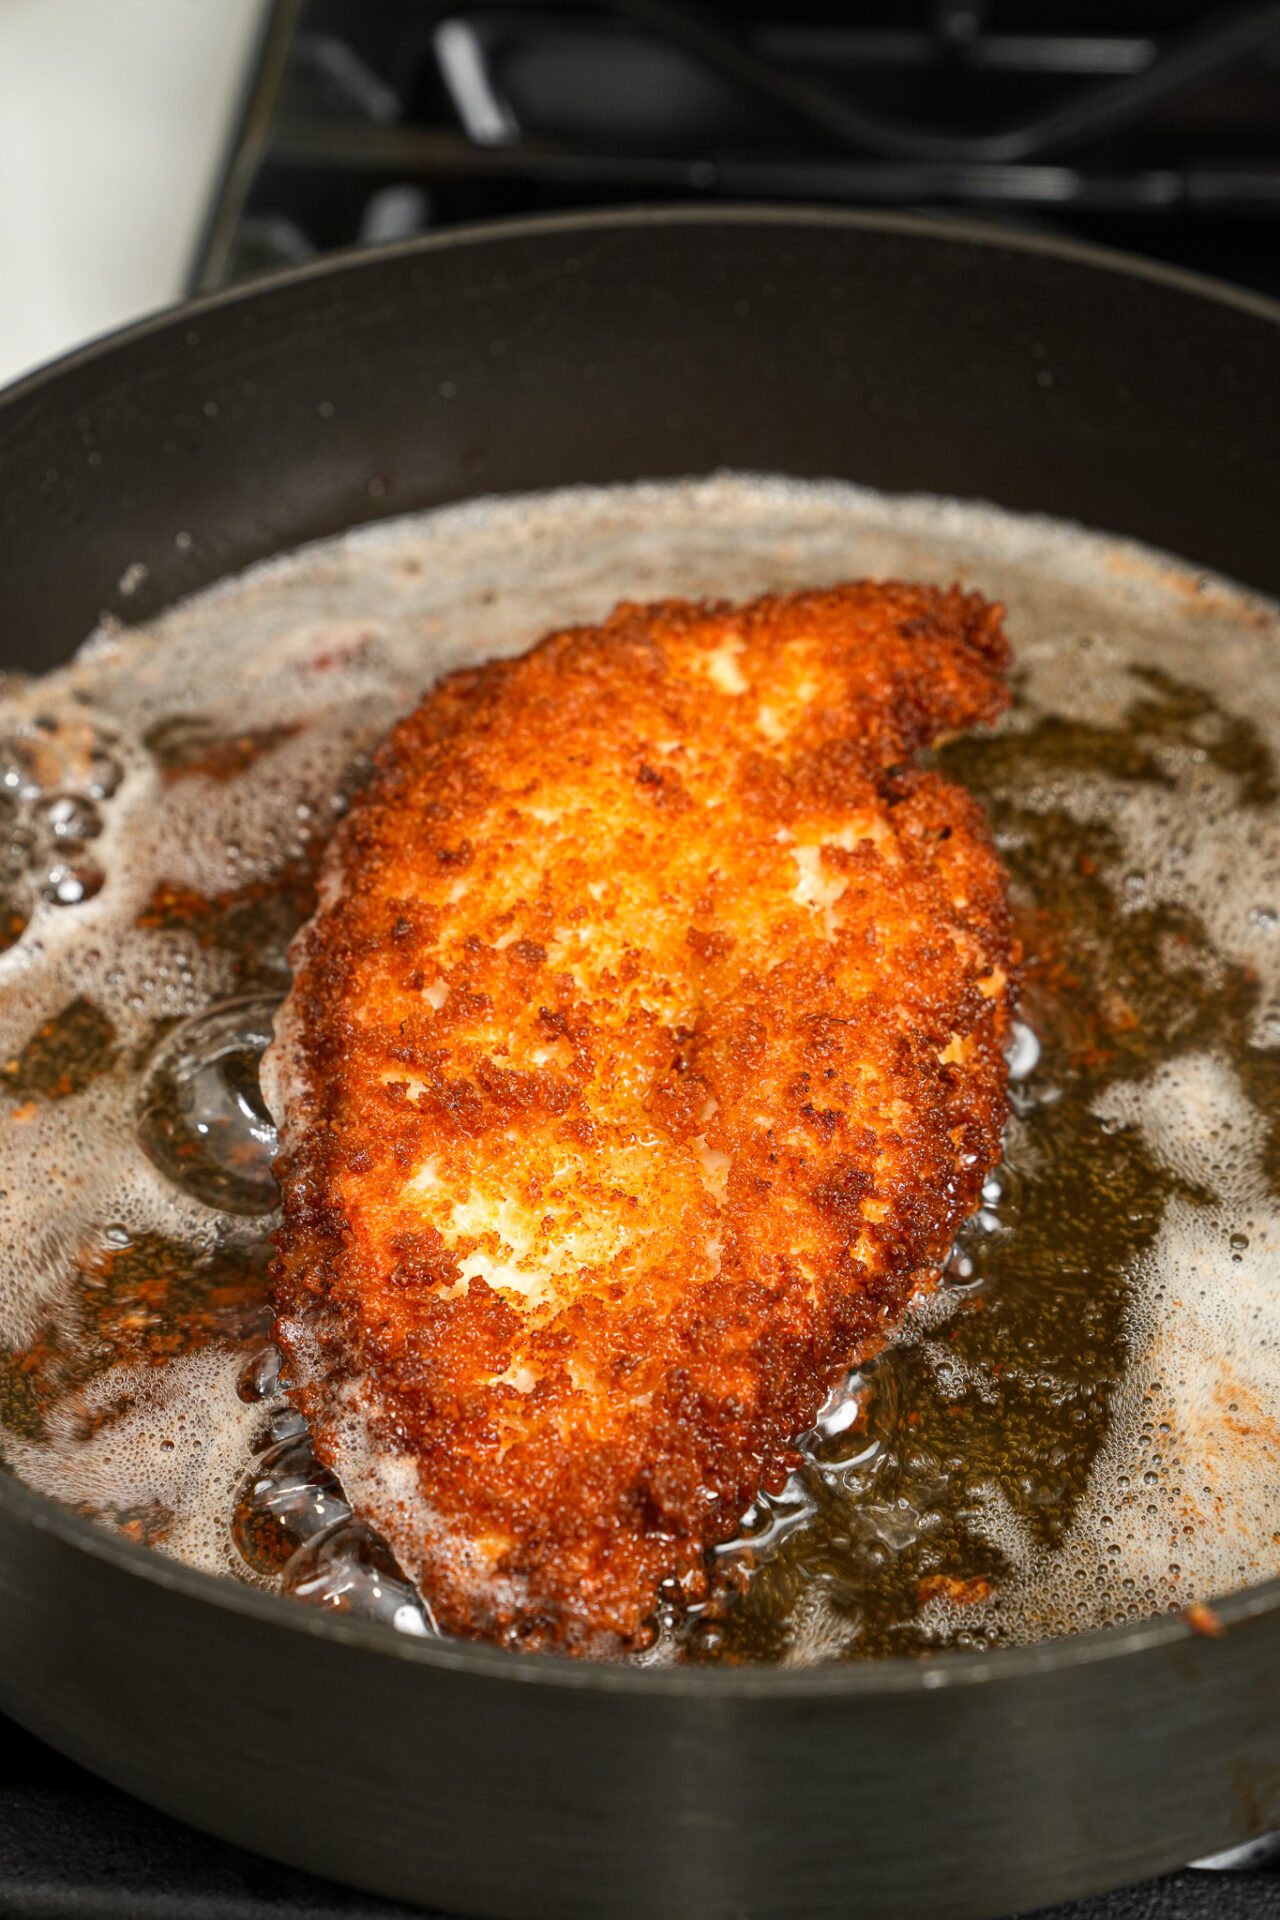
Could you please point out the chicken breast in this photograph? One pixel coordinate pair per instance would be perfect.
(642, 1059)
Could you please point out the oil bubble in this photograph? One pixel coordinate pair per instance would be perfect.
(1022, 1052)
(69, 817)
(352, 1570)
(69, 883)
(202, 1119)
(260, 1376)
(103, 775)
(959, 1270)
(289, 1498)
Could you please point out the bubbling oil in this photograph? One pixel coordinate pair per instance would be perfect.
(1077, 1427)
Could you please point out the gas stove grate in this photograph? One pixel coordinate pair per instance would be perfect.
(375, 122)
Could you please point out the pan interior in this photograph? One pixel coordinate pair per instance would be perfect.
(1074, 1430)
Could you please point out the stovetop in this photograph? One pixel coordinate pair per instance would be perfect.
(1148, 124)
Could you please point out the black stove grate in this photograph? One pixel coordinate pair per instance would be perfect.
(1150, 127)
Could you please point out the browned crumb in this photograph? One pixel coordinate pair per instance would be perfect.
(960, 1593)
(1205, 1620)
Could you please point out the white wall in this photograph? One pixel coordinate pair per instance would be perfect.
(114, 116)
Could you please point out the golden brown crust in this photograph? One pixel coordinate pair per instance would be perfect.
(642, 1061)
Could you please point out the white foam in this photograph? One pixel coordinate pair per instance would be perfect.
(179, 1444)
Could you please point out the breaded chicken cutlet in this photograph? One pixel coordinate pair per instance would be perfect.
(642, 1060)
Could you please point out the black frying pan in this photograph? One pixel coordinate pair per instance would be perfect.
(893, 352)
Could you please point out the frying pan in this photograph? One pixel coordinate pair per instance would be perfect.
(900, 353)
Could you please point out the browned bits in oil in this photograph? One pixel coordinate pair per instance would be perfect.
(189, 745)
(147, 1300)
(252, 925)
(149, 1524)
(64, 1055)
(957, 1593)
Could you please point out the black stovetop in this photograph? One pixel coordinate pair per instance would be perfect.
(370, 120)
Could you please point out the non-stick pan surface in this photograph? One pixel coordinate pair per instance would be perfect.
(892, 352)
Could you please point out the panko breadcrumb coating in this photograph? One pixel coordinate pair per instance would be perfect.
(642, 1060)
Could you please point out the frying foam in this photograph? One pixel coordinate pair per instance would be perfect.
(1184, 1498)
(176, 1452)
(324, 648)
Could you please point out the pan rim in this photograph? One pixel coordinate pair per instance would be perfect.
(343, 260)
(1160, 1634)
